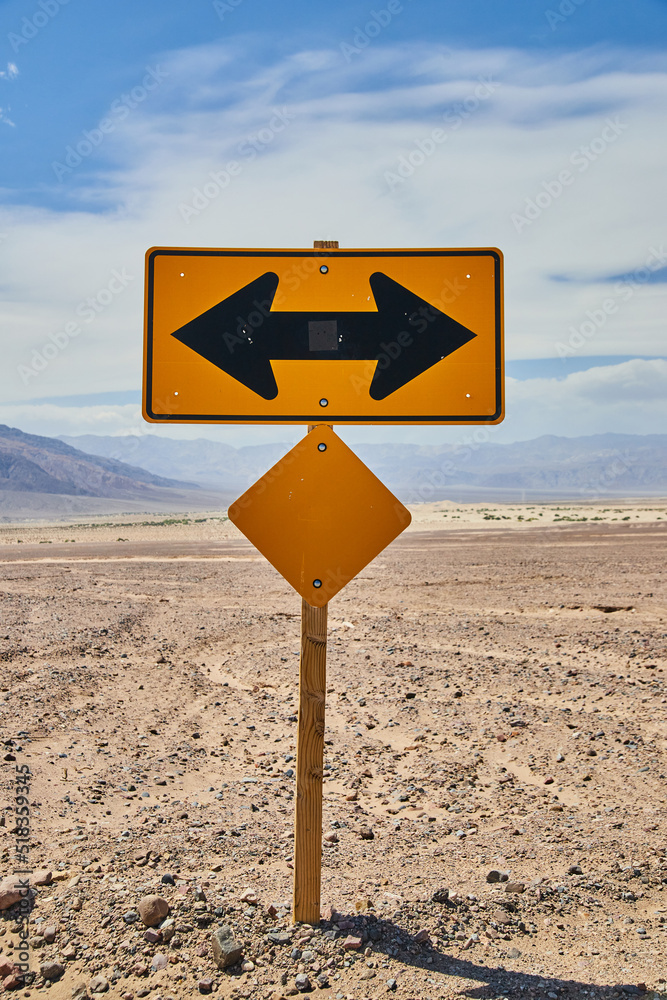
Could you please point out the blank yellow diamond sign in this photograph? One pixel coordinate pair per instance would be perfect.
(319, 516)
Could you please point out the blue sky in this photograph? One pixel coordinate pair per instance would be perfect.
(113, 116)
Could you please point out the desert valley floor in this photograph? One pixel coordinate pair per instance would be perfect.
(495, 782)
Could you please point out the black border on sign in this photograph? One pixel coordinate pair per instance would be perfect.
(322, 416)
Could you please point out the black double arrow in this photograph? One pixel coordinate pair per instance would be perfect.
(241, 335)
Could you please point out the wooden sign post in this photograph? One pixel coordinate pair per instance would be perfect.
(309, 764)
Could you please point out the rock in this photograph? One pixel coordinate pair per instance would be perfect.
(302, 983)
(168, 879)
(440, 896)
(6, 968)
(366, 833)
(131, 917)
(49, 933)
(249, 897)
(362, 905)
(15, 980)
(391, 984)
(98, 985)
(493, 876)
(76, 904)
(41, 878)
(205, 985)
(352, 943)
(352, 796)
(279, 937)
(51, 970)
(331, 838)
(159, 961)
(248, 966)
(11, 891)
(575, 870)
(167, 929)
(514, 953)
(69, 953)
(421, 936)
(153, 936)
(79, 992)
(226, 949)
(515, 887)
(152, 910)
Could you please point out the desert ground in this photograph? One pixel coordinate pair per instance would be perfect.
(495, 777)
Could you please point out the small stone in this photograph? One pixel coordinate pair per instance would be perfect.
(205, 985)
(168, 879)
(11, 892)
(76, 904)
(366, 833)
(153, 936)
(514, 953)
(279, 937)
(391, 984)
(248, 966)
(352, 796)
(69, 953)
(575, 870)
(331, 838)
(167, 929)
(98, 985)
(226, 949)
(41, 878)
(49, 933)
(13, 981)
(152, 910)
(79, 992)
(159, 961)
(302, 983)
(515, 887)
(6, 968)
(249, 897)
(51, 970)
(352, 943)
(131, 917)
(440, 896)
(362, 905)
(493, 876)
(422, 935)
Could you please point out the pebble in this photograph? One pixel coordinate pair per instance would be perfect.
(168, 879)
(515, 887)
(131, 917)
(152, 936)
(51, 970)
(575, 870)
(152, 910)
(205, 985)
(159, 961)
(302, 982)
(49, 933)
(98, 985)
(352, 943)
(226, 949)
(366, 833)
(79, 992)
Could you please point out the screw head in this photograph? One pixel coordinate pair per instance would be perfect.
(317, 584)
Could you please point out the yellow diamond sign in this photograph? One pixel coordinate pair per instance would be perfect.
(319, 516)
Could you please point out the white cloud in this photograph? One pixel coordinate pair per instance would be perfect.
(324, 176)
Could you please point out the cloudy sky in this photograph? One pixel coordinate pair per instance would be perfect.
(113, 117)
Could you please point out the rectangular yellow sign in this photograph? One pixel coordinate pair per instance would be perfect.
(335, 336)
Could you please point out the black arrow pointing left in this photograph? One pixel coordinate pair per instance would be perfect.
(406, 336)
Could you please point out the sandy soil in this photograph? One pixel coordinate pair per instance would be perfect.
(496, 703)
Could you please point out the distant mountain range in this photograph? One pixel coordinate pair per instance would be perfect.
(548, 467)
(33, 464)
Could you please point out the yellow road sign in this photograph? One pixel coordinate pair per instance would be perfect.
(319, 516)
(342, 336)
